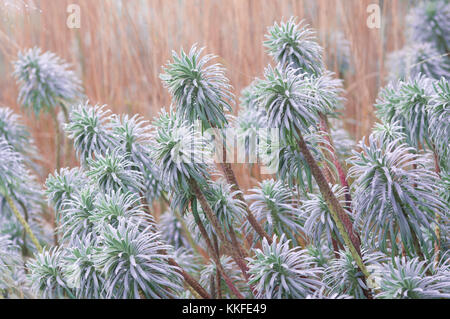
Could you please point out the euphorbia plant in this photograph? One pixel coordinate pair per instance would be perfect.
(201, 92)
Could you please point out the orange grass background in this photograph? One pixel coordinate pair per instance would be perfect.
(121, 45)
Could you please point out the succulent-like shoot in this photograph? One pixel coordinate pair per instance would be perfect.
(62, 185)
(113, 172)
(114, 206)
(319, 224)
(276, 207)
(406, 102)
(419, 58)
(172, 230)
(16, 134)
(47, 275)
(439, 110)
(133, 265)
(278, 272)
(343, 276)
(294, 44)
(180, 151)
(200, 90)
(88, 129)
(429, 22)
(208, 275)
(79, 269)
(133, 137)
(388, 132)
(392, 197)
(407, 279)
(286, 97)
(76, 217)
(229, 210)
(45, 80)
(13, 281)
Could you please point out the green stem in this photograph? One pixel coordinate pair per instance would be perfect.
(25, 225)
(337, 212)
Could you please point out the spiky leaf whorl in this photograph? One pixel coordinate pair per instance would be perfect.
(294, 44)
(113, 171)
(133, 265)
(88, 128)
(47, 275)
(407, 279)
(391, 196)
(201, 91)
(279, 272)
(276, 207)
(44, 80)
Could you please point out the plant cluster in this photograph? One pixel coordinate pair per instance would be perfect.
(313, 230)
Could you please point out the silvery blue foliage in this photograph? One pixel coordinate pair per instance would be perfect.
(45, 80)
(324, 92)
(388, 132)
(395, 195)
(12, 169)
(200, 90)
(222, 199)
(181, 152)
(187, 260)
(114, 171)
(246, 127)
(88, 128)
(284, 156)
(277, 271)
(209, 271)
(343, 276)
(319, 225)
(286, 97)
(415, 59)
(324, 294)
(16, 134)
(133, 265)
(429, 22)
(439, 117)
(133, 137)
(408, 279)
(61, 186)
(172, 230)
(249, 96)
(321, 255)
(406, 102)
(113, 206)
(13, 281)
(292, 43)
(275, 206)
(79, 269)
(47, 275)
(77, 215)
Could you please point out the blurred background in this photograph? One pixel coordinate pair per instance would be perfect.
(120, 47)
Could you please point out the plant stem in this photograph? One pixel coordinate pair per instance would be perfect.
(334, 158)
(25, 225)
(216, 225)
(231, 179)
(215, 257)
(189, 280)
(342, 221)
(437, 245)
